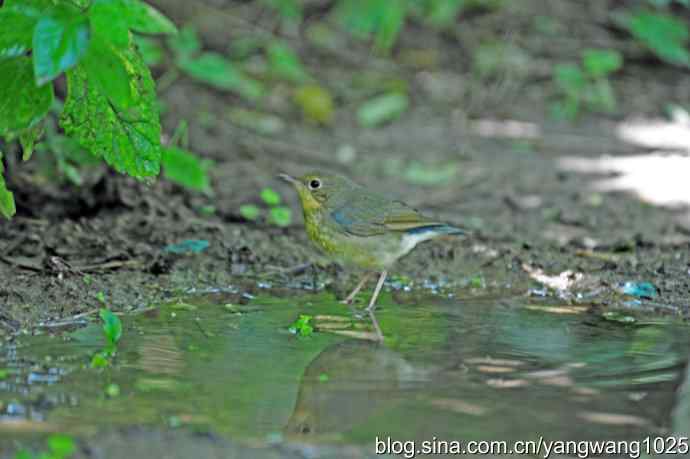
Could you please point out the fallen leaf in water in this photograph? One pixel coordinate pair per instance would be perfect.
(500, 383)
(494, 369)
(558, 309)
(355, 334)
(612, 419)
(562, 281)
(458, 406)
(493, 361)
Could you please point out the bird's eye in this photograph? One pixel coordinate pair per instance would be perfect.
(315, 184)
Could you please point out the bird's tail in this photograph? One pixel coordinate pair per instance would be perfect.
(437, 229)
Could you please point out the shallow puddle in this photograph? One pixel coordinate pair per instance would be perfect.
(452, 369)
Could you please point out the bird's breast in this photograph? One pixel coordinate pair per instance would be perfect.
(368, 252)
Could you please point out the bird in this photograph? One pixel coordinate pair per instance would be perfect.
(359, 228)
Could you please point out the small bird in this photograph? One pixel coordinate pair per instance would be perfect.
(356, 227)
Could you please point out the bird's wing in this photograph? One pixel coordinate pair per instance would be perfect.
(371, 215)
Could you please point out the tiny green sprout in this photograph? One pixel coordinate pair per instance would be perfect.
(59, 447)
(174, 422)
(323, 377)
(112, 327)
(280, 216)
(250, 211)
(276, 214)
(100, 296)
(4, 373)
(112, 390)
(477, 282)
(88, 279)
(270, 197)
(302, 327)
(99, 360)
(207, 210)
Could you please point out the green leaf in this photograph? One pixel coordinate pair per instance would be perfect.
(601, 62)
(22, 104)
(16, 31)
(150, 50)
(285, 63)
(112, 390)
(7, 208)
(59, 41)
(61, 446)
(569, 78)
(109, 20)
(419, 173)
(144, 18)
(302, 326)
(382, 109)
(383, 18)
(214, 69)
(443, 13)
(270, 197)
(112, 327)
(99, 360)
(664, 34)
(186, 169)
(316, 103)
(106, 66)
(27, 138)
(281, 216)
(129, 140)
(289, 10)
(185, 43)
(250, 211)
(391, 24)
(600, 96)
(262, 123)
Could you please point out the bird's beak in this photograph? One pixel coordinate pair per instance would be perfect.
(288, 178)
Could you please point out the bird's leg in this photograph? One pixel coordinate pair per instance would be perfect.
(354, 293)
(372, 304)
(375, 323)
(379, 285)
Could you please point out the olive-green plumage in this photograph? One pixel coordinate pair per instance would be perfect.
(356, 227)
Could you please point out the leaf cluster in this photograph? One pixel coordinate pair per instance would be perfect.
(276, 213)
(586, 84)
(110, 108)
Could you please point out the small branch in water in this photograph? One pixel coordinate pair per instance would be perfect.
(203, 332)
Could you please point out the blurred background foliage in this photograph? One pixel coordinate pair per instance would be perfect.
(272, 67)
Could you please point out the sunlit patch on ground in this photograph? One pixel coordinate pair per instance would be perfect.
(660, 177)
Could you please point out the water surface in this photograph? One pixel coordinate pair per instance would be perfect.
(483, 369)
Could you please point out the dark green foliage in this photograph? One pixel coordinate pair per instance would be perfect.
(111, 108)
(22, 103)
(665, 35)
(7, 209)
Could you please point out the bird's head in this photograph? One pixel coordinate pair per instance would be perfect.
(316, 188)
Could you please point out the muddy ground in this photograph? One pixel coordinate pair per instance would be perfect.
(70, 249)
